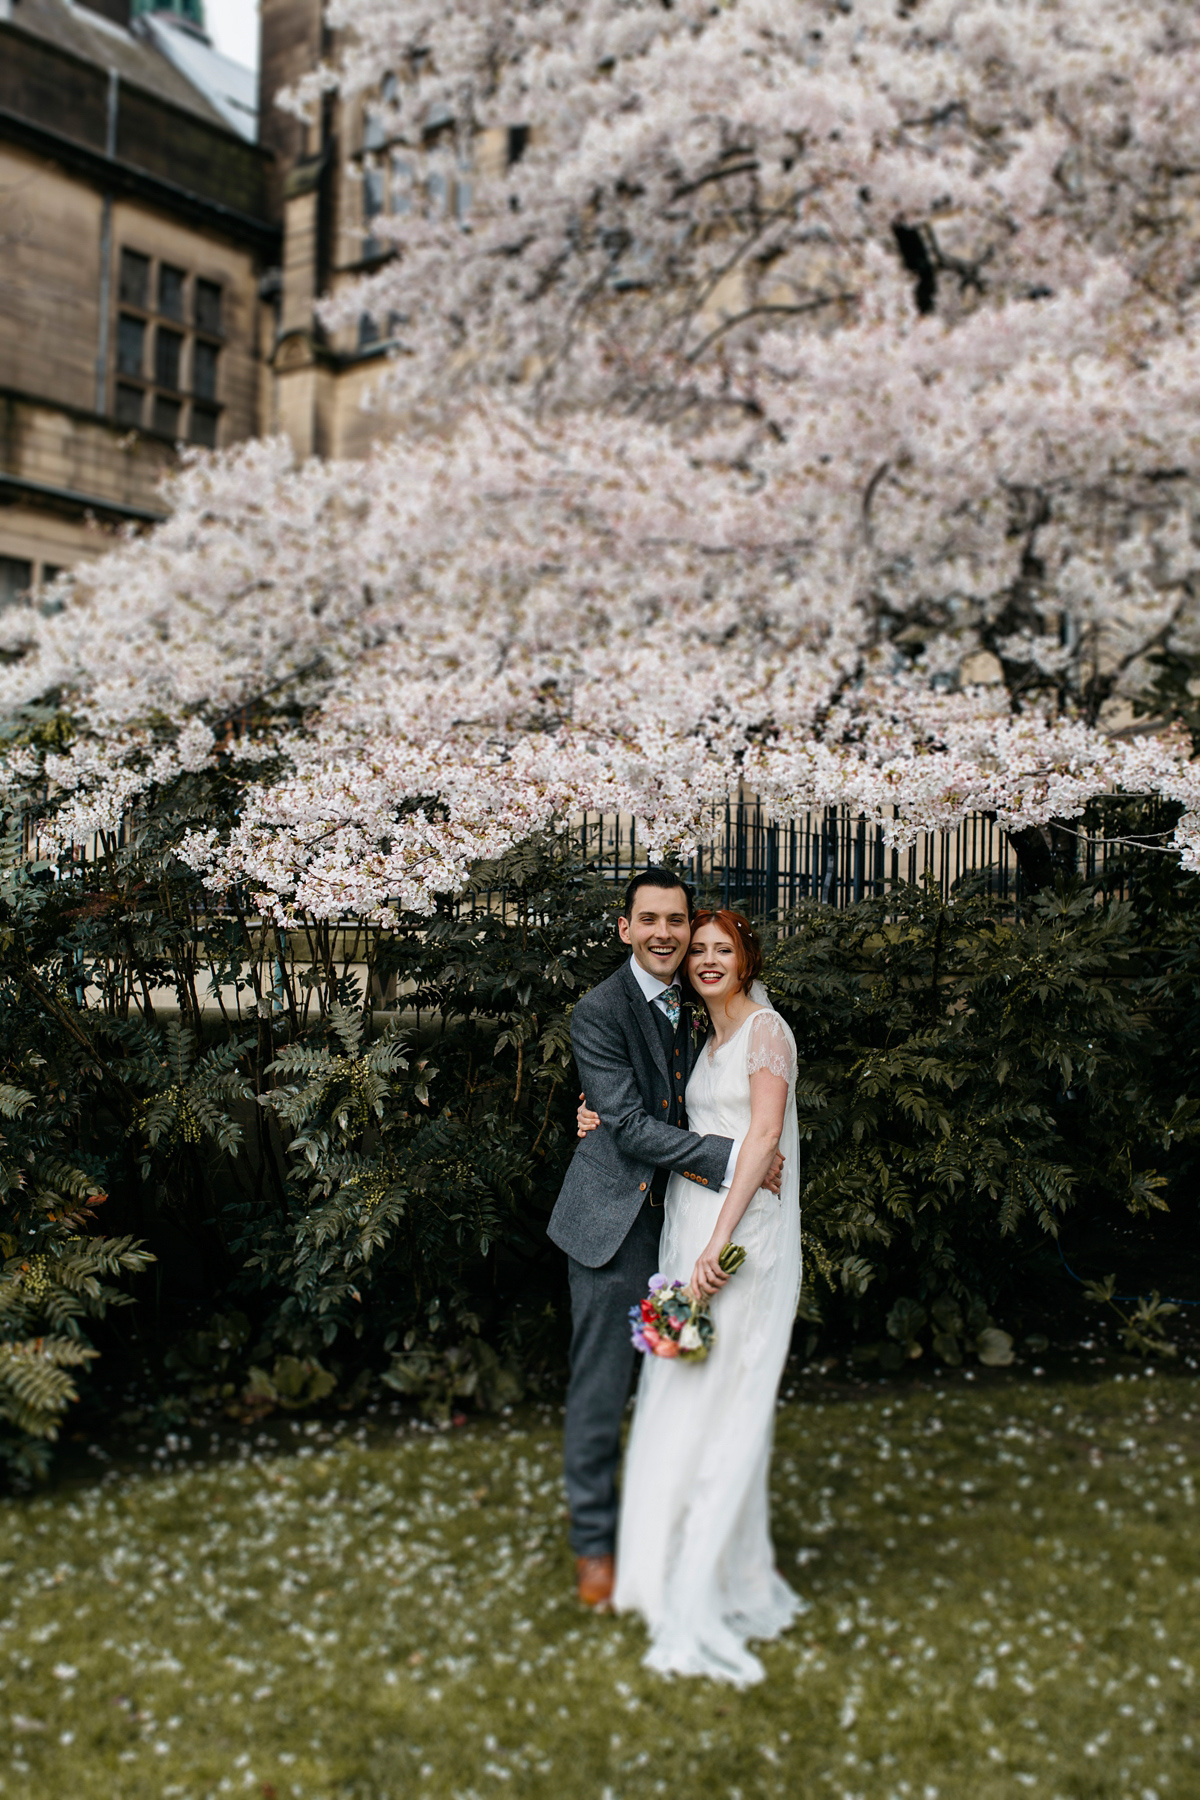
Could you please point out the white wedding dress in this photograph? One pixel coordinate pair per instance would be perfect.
(694, 1553)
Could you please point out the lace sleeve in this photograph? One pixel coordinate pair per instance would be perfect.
(772, 1047)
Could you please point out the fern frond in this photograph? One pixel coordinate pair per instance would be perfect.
(35, 1389)
(347, 1027)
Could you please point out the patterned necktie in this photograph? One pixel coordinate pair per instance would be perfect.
(670, 998)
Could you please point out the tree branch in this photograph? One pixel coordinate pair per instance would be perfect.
(751, 312)
(690, 187)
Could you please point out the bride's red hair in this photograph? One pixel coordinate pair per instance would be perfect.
(748, 959)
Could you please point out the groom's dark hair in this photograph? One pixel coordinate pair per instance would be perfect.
(657, 878)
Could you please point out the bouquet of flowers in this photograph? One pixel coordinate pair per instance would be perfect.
(671, 1321)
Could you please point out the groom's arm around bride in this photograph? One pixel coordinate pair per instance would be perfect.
(628, 1079)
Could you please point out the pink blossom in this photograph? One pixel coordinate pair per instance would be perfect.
(678, 494)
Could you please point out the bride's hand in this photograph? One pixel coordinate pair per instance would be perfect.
(585, 1119)
(708, 1277)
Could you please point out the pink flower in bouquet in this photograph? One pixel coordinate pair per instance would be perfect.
(656, 1282)
(666, 1347)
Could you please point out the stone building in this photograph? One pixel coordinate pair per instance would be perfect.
(335, 176)
(137, 225)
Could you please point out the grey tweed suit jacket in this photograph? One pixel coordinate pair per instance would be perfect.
(625, 1076)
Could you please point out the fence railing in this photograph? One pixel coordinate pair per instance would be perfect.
(832, 856)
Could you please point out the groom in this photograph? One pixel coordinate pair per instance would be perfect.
(634, 1045)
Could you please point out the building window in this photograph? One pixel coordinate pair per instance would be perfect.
(16, 579)
(168, 352)
(204, 370)
(49, 604)
(166, 416)
(170, 292)
(152, 293)
(135, 279)
(373, 196)
(404, 173)
(20, 582)
(208, 307)
(403, 177)
(129, 404)
(204, 426)
(131, 345)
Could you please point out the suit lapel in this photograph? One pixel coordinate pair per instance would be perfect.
(640, 1007)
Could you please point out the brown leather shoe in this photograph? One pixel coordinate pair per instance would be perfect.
(594, 1581)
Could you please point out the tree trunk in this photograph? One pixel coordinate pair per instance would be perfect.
(1046, 854)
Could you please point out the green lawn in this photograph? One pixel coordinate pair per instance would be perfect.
(1004, 1600)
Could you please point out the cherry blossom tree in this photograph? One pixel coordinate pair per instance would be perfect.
(808, 400)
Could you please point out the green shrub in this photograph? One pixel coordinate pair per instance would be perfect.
(329, 1192)
(57, 1271)
(968, 1077)
(339, 1190)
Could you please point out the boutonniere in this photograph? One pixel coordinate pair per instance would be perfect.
(698, 1023)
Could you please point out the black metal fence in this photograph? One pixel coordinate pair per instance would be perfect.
(831, 856)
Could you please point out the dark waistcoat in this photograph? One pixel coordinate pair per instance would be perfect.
(675, 1044)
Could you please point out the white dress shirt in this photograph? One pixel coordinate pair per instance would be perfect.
(654, 989)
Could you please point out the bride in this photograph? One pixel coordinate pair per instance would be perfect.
(694, 1552)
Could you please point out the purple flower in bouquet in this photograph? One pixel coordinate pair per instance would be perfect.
(640, 1340)
(658, 1281)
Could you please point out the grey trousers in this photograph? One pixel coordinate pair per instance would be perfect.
(602, 1369)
